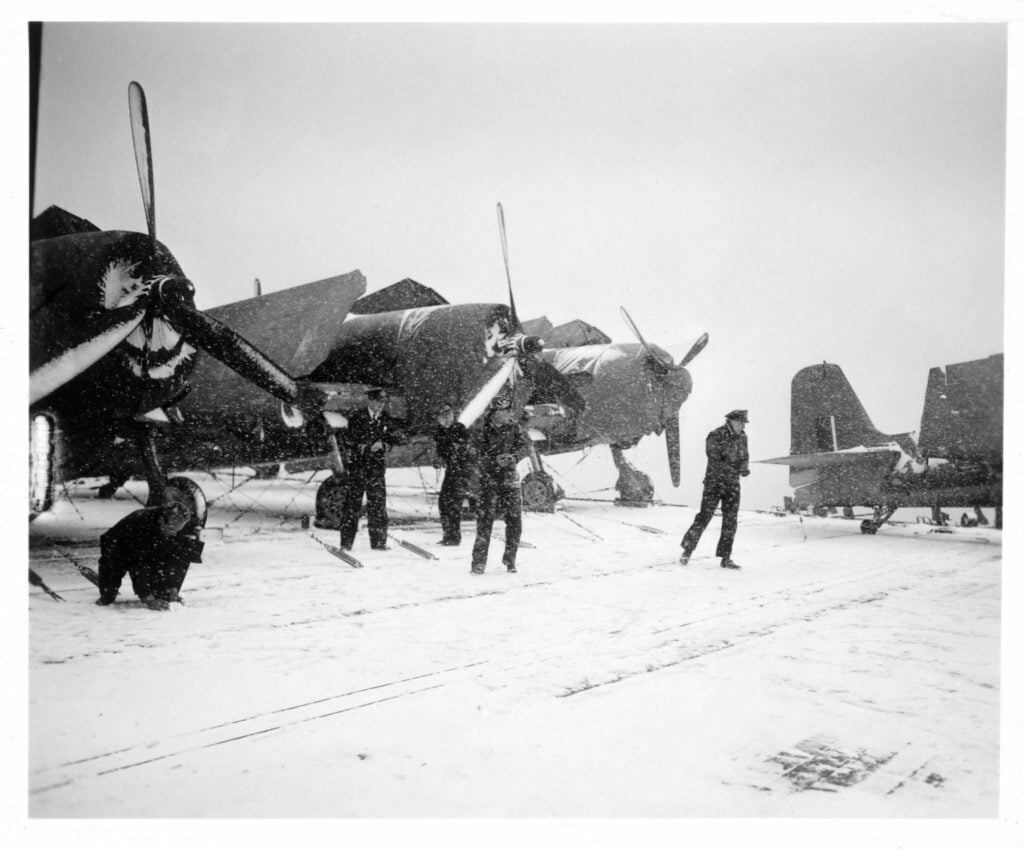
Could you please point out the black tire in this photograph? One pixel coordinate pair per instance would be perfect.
(189, 493)
(868, 527)
(539, 494)
(330, 496)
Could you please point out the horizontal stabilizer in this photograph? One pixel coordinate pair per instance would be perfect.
(832, 458)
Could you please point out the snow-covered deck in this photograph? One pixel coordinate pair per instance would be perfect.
(836, 675)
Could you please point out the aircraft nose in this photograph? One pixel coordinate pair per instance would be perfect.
(682, 383)
(174, 290)
(532, 345)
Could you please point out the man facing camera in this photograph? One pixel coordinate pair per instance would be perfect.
(728, 461)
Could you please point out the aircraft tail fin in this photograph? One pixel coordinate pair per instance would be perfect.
(963, 410)
(826, 415)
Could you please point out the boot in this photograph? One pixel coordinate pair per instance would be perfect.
(729, 563)
(154, 603)
(684, 558)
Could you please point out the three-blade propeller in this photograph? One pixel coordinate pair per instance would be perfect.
(167, 296)
(671, 377)
(535, 370)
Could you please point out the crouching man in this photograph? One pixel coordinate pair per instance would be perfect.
(154, 547)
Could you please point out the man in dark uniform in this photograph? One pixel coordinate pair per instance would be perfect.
(370, 433)
(502, 444)
(450, 439)
(728, 461)
(155, 548)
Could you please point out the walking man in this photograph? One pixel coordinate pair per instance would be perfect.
(450, 440)
(154, 547)
(728, 461)
(370, 433)
(502, 445)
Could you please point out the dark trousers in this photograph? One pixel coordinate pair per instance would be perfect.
(369, 481)
(449, 504)
(727, 492)
(157, 579)
(502, 500)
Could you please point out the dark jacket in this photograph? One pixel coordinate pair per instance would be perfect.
(362, 433)
(495, 445)
(728, 457)
(451, 444)
(136, 545)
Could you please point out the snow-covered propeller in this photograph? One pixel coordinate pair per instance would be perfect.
(673, 384)
(144, 299)
(521, 351)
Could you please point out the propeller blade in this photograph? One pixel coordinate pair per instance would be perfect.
(479, 403)
(698, 346)
(235, 352)
(57, 370)
(672, 445)
(143, 151)
(508, 273)
(663, 367)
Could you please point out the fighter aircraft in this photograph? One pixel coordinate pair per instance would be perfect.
(629, 390)
(114, 334)
(405, 338)
(839, 459)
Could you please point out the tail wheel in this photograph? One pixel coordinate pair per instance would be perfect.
(539, 493)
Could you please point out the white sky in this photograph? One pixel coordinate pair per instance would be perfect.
(802, 192)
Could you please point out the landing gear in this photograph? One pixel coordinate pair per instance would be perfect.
(330, 498)
(539, 493)
(634, 487)
(145, 443)
(882, 515)
(538, 488)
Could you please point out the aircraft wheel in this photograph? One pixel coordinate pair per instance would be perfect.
(330, 497)
(538, 493)
(868, 527)
(42, 441)
(189, 493)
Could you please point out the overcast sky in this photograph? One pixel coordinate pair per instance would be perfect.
(801, 192)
